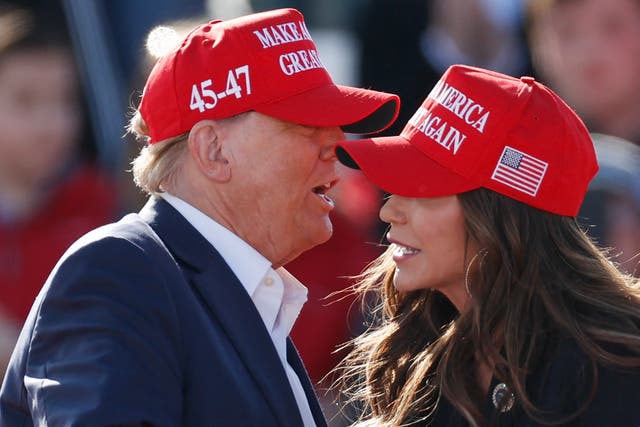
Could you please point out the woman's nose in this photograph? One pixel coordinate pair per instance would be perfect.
(391, 211)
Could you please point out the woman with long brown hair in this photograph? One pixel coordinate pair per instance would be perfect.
(494, 308)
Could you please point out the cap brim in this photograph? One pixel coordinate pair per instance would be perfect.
(397, 167)
(355, 110)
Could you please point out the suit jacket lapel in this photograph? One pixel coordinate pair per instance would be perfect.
(229, 303)
(296, 363)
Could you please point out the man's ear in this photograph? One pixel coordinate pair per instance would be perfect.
(206, 149)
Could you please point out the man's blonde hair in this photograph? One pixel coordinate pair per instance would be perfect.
(157, 164)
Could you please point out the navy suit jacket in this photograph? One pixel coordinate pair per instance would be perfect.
(142, 323)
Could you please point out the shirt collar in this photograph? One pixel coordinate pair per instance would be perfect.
(249, 266)
(294, 297)
(279, 303)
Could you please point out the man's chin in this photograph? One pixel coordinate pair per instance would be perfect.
(314, 237)
(325, 232)
(319, 234)
(322, 235)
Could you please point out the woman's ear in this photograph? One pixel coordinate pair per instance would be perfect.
(206, 149)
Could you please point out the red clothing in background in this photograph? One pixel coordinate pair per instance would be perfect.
(325, 323)
(30, 248)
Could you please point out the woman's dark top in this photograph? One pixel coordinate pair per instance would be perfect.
(562, 386)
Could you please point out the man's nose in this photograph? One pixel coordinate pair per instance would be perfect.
(330, 136)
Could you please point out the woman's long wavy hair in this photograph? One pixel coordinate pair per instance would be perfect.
(538, 276)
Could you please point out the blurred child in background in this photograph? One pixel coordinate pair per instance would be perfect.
(49, 194)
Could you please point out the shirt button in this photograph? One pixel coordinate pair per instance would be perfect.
(268, 281)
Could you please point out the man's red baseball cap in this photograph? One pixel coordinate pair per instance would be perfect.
(478, 128)
(264, 62)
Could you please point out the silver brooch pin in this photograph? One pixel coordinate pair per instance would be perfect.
(503, 398)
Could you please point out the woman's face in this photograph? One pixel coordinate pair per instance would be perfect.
(431, 245)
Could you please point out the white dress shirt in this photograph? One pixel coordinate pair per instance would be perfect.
(277, 295)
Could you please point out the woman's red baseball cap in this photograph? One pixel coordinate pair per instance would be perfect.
(264, 62)
(478, 128)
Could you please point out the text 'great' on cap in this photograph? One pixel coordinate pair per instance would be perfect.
(264, 62)
(479, 128)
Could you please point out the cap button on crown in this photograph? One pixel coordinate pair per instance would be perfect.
(527, 79)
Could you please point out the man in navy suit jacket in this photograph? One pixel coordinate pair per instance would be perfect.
(180, 315)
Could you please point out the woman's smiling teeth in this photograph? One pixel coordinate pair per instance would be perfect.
(400, 250)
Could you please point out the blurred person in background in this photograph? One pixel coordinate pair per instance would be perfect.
(589, 52)
(407, 44)
(612, 202)
(49, 193)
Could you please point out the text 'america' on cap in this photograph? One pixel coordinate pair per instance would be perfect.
(479, 128)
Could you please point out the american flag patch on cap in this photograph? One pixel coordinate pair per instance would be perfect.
(520, 171)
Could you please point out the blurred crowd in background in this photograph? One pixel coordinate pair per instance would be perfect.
(70, 70)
